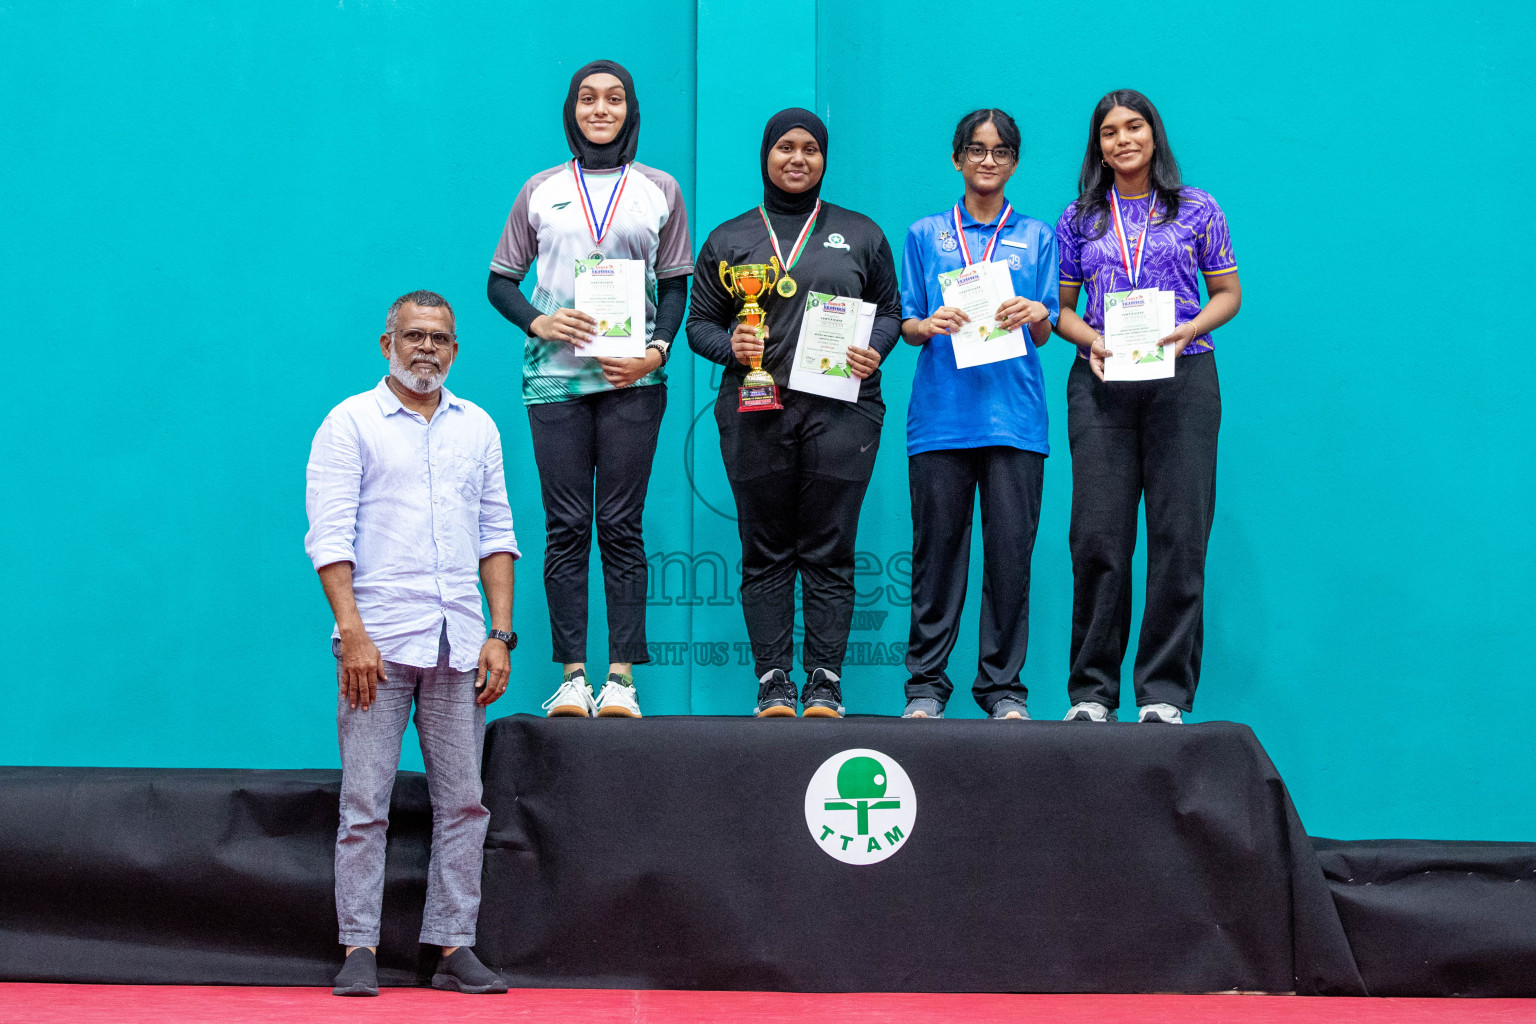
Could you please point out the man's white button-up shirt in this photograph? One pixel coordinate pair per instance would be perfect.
(413, 505)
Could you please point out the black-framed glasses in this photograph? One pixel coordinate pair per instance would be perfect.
(1001, 155)
(419, 339)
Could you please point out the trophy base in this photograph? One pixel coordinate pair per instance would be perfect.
(758, 398)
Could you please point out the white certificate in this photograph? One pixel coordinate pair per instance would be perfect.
(831, 324)
(612, 292)
(1134, 323)
(977, 291)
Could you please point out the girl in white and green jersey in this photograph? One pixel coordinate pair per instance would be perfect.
(594, 420)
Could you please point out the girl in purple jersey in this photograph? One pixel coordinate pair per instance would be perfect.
(1136, 225)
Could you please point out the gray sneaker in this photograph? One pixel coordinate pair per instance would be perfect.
(1010, 707)
(1091, 711)
(1162, 714)
(923, 707)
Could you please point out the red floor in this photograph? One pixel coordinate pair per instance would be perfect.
(133, 1004)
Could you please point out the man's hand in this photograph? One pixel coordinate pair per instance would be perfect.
(863, 361)
(362, 669)
(495, 669)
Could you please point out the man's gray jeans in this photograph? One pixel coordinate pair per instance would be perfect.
(452, 731)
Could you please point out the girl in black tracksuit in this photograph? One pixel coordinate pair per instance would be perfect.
(798, 474)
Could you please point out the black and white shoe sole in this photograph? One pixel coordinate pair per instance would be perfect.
(449, 983)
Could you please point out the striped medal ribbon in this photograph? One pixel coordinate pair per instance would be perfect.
(598, 228)
(786, 286)
(1132, 264)
(986, 254)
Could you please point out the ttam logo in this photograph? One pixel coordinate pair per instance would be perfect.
(860, 806)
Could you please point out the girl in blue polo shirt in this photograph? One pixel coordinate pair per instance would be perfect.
(979, 428)
(1135, 225)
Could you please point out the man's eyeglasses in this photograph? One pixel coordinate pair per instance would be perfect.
(419, 339)
(1002, 155)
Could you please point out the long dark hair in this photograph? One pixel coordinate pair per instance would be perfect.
(1096, 177)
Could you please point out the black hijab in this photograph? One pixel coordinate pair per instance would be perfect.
(621, 150)
(775, 199)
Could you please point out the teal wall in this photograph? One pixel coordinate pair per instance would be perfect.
(205, 210)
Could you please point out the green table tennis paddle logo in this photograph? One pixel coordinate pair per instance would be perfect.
(860, 806)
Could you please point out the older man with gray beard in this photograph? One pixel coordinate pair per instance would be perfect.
(406, 501)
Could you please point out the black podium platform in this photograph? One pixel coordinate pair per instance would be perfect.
(1042, 857)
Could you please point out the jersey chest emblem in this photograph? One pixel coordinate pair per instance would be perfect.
(1014, 263)
(835, 241)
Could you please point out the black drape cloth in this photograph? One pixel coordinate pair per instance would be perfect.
(159, 876)
(1045, 857)
(1428, 918)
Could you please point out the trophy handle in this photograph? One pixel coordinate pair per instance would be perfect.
(727, 278)
(778, 272)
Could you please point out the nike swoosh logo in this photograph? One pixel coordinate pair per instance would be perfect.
(865, 448)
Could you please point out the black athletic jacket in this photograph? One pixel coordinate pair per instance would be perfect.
(847, 254)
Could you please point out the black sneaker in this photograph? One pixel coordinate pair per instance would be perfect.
(823, 697)
(776, 696)
(462, 971)
(359, 975)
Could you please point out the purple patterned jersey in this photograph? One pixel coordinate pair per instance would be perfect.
(1196, 243)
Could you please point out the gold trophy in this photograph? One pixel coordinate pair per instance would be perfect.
(747, 281)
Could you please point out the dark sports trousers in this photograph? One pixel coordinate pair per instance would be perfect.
(944, 486)
(799, 477)
(600, 444)
(1132, 439)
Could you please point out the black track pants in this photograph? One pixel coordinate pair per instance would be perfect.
(607, 440)
(799, 477)
(1132, 439)
(944, 487)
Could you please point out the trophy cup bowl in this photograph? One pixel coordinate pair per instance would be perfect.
(748, 281)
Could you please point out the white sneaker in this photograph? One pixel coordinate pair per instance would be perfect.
(572, 700)
(1162, 714)
(617, 701)
(1090, 711)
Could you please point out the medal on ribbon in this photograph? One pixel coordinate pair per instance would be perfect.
(1131, 262)
(598, 227)
(986, 255)
(786, 286)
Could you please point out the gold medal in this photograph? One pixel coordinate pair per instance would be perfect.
(786, 286)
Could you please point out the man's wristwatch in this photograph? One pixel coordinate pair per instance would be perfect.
(510, 639)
